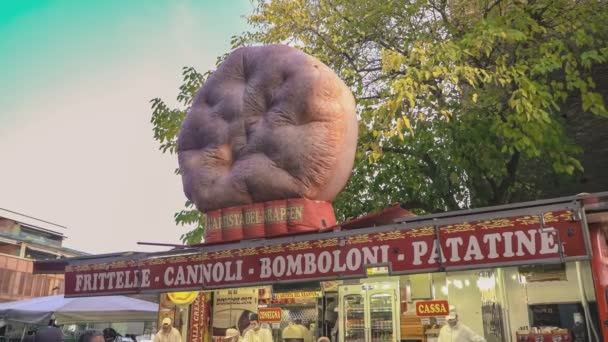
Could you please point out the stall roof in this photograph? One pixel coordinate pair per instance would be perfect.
(79, 310)
(596, 206)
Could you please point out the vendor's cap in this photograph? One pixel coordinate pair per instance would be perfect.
(166, 321)
(232, 333)
(253, 317)
(452, 314)
(292, 332)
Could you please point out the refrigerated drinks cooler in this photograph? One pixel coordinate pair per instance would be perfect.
(369, 312)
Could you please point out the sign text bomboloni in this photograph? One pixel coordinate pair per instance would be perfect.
(496, 242)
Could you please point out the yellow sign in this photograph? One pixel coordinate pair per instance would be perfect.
(182, 298)
(302, 294)
(377, 270)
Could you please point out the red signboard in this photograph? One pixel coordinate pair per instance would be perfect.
(199, 317)
(499, 242)
(432, 308)
(268, 219)
(270, 314)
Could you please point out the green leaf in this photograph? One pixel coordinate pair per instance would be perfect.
(475, 87)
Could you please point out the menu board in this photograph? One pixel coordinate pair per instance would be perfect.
(545, 315)
(231, 308)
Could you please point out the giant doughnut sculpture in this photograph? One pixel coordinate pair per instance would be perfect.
(268, 143)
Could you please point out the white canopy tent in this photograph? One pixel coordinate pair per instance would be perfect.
(79, 310)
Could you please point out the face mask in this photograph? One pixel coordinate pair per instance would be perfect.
(452, 322)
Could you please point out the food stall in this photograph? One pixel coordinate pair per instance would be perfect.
(268, 143)
(505, 268)
(298, 305)
(369, 309)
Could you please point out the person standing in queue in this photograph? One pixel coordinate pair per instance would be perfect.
(91, 336)
(111, 335)
(306, 334)
(168, 333)
(232, 335)
(292, 333)
(49, 334)
(256, 333)
(455, 331)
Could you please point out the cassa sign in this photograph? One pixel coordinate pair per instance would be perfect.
(432, 308)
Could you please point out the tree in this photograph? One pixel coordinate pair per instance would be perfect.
(167, 122)
(460, 102)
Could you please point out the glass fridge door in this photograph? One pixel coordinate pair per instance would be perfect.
(354, 318)
(382, 315)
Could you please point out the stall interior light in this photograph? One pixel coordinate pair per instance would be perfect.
(467, 282)
(486, 283)
(444, 290)
(458, 283)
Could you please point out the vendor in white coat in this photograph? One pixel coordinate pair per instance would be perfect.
(455, 331)
(255, 332)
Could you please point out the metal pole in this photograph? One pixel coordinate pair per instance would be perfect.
(504, 298)
(589, 324)
(23, 333)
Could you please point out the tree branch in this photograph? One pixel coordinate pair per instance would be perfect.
(501, 195)
(491, 7)
(490, 181)
(447, 194)
(372, 97)
(441, 10)
(394, 150)
(369, 69)
(348, 58)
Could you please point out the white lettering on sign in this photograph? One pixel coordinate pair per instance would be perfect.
(326, 262)
(526, 240)
(420, 249)
(294, 264)
(547, 241)
(115, 280)
(473, 250)
(521, 243)
(194, 275)
(453, 244)
(337, 266)
(491, 240)
(278, 266)
(507, 237)
(435, 252)
(309, 264)
(493, 246)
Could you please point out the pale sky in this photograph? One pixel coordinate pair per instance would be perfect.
(76, 77)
